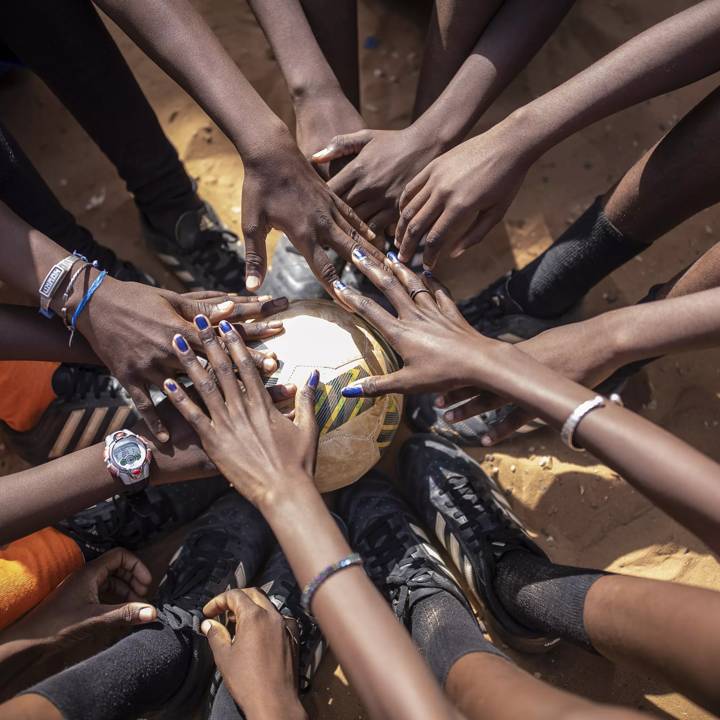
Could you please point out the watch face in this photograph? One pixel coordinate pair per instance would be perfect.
(128, 454)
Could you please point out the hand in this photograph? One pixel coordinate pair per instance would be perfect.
(257, 665)
(282, 190)
(386, 161)
(460, 196)
(318, 118)
(103, 597)
(257, 448)
(130, 325)
(438, 347)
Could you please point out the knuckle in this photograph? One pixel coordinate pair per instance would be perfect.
(407, 214)
(412, 231)
(195, 417)
(206, 386)
(223, 367)
(328, 272)
(323, 220)
(246, 364)
(433, 240)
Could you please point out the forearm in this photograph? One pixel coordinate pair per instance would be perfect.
(677, 478)
(353, 616)
(669, 55)
(179, 40)
(512, 37)
(26, 335)
(301, 60)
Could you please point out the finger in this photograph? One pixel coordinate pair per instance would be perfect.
(413, 188)
(120, 561)
(380, 222)
(407, 213)
(417, 228)
(145, 407)
(453, 397)
(116, 589)
(367, 309)
(195, 417)
(497, 432)
(219, 360)
(254, 386)
(255, 233)
(350, 232)
(305, 416)
(481, 403)
(260, 599)
(444, 233)
(218, 638)
(205, 385)
(412, 284)
(383, 278)
(234, 311)
(342, 145)
(223, 296)
(443, 298)
(475, 234)
(132, 613)
(230, 601)
(377, 385)
(281, 393)
(259, 330)
(351, 216)
(369, 209)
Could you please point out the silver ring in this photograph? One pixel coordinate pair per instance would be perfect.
(417, 291)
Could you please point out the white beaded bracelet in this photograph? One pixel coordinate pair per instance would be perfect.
(567, 432)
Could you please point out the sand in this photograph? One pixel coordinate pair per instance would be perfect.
(581, 511)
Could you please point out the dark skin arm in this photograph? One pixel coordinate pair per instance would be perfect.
(321, 108)
(460, 196)
(441, 351)
(274, 471)
(280, 189)
(504, 40)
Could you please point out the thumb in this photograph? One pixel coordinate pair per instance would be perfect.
(133, 613)
(305, 417)
(343, 145)
(376, 385)
(216, 312)
(218, 638)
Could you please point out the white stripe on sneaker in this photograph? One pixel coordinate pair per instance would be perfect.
(65, 436)
(93, 425)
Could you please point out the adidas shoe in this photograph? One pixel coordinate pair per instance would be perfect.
(224, 549)
(397, 554)
(473, 521)
(131, 521)
(90, 404)
(203, 254)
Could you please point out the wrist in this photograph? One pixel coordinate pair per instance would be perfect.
(287, 502)
(258, 142)
(279, 706)
(523, 130)
(305, 94)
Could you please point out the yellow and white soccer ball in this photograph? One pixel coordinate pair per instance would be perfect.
(353, 431)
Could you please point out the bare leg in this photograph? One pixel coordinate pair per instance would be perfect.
(455, 26)
(667, 629)
(487, 687)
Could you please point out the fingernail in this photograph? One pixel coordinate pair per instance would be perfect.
(146, 614)
(321, 154)
(181, 344)
(264, 298)
(314, 379)
(205, 626)
(439, 401)
(226, 306)
(269, 365)
(275, 324)
(233, 294)
(170, 386)
(225, 327)
(393, 257)
(252, 282)
(339, 285)
(162, 436)
(359, 253)
(397, 243)
(201, 321)
(486, 440)
(276, 304)
(352, 391)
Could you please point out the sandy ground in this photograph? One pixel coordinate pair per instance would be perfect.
(581, 511)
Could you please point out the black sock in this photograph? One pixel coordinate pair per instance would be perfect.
(137, 674)
(545, 597)
(589, 250)
(445, 630)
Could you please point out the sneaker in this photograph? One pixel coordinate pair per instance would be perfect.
(279, 584)
(397, 554)
(290, 275)
(132, 521)
(224, 549)
(108, 260)
(203, 254)
(473, 521)
(90, 404)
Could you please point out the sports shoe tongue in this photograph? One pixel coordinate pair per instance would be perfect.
(190, 228)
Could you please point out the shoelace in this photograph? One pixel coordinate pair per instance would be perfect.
(412, 574)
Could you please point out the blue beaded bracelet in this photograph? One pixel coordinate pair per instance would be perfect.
(312, 587)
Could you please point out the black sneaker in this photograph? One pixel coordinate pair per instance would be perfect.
(106, 259)
(290, 275)
(90, 404)
(203, 254)
(397, 554)
(471, 517)
(224, 549)
(131, 521)
(279, 584)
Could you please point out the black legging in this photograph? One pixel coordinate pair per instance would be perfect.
(67, 45)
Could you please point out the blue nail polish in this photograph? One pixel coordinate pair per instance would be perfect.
(339, 285)
(314, 379)
(427, 273)
(225, 326)
(392, 257)
(182, 346)
(171, 386)
(359, 253)
(201, 322)
(352, 391)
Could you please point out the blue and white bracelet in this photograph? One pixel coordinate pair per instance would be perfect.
(312, 587)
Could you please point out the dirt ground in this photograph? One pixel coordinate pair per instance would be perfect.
(581, 511)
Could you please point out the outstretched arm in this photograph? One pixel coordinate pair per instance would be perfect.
(280, 188)
(460, 196)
